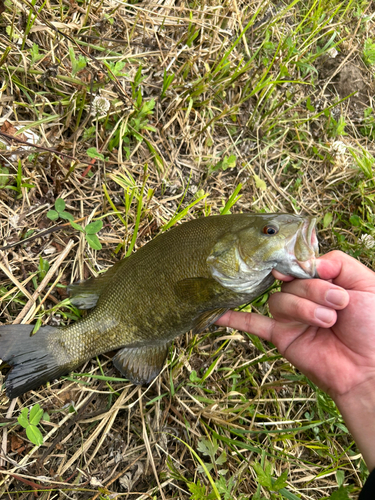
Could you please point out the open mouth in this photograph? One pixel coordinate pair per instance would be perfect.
(307, 248)
(309, 235)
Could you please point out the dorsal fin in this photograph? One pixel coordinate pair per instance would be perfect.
(85, 294)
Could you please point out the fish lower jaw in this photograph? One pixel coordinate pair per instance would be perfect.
(309, 267)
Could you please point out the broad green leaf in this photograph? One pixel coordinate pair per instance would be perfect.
(341, 494)
(37, 325)
(260, 184)
(46, 417)
(221, 459)
(198, 491)
(309, 106)
(263, 477)
(202, 447)
(34, 435)
(281, 481)
(22, 419)
(4, 178)
(355, 220)
(327, 219)
(77, 226)
(194, 377)
(93, 241)
(94, 153)
(36, 414)
(60, 205)
(66, 215)
(230, 161)
(52, 215)
(94, 227)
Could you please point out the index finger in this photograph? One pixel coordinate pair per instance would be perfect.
(259, 325)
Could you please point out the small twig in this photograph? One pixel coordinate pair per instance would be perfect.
(44, 283)
(43, 148)
(39, 235)
(147, 444)
(121, 473)
(5, 432)
(15, 280)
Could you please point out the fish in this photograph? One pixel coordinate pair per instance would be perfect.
(184, 279)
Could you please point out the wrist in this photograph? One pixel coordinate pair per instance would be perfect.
(357, 407)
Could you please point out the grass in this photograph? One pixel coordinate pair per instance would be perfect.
(212, 108)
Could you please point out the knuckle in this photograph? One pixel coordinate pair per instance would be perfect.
(298, 307)
(309, 287)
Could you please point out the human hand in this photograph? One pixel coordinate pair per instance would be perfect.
(325, 328)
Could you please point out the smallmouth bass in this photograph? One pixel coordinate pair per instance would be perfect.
(182, 280)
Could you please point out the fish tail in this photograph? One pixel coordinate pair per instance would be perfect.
(31, 357)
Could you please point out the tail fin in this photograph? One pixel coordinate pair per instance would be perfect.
(30, 356)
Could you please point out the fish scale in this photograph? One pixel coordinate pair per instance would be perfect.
(182, 280)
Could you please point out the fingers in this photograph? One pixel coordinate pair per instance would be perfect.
(345, 271)
(281, 277)
(287, 307)
(261, 326)
(319, 291)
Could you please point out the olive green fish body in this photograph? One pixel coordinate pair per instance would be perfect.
(183, 279)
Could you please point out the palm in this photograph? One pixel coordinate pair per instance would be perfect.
(336, 358)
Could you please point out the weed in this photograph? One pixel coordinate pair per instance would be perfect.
(4, 176)
(210, 449)
(59, 211)
(115, 68)
(335, 128)
(368, 124)
(226, 162)
(43, 267)
(30, 422)
(265, 477)
(136, 123)
(167, 81)
(94, 153)
(20, 184)
(369, 52)
(77, 64)
(90, 233)
(35, 56)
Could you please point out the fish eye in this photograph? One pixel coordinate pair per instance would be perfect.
(270, 230)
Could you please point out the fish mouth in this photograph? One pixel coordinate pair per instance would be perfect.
(306, 247)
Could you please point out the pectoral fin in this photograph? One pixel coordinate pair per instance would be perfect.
(141, 365)
(207, 319)
(85, 294)
(199, 290)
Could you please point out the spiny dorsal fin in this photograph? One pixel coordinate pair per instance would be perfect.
(141, 365)
(85, 294)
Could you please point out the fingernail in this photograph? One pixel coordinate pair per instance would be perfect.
(336, 297)
(325, 315)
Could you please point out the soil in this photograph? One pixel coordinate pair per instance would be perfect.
(351, 77)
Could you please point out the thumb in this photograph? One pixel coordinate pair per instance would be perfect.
(345, 271)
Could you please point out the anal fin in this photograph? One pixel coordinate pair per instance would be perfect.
(141, 365)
